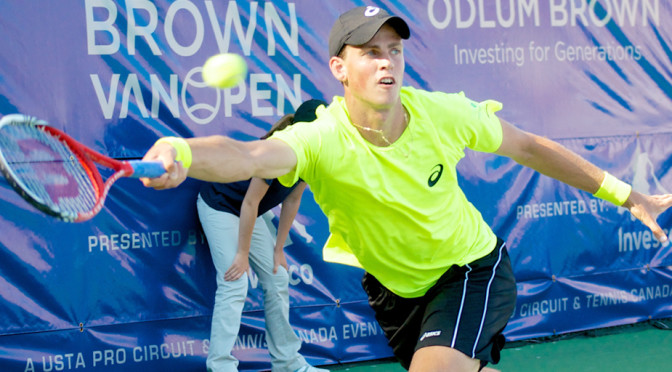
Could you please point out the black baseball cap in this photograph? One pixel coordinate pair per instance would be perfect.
(357, 26)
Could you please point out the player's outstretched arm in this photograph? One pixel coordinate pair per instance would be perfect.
(221, 159)
(554, 160)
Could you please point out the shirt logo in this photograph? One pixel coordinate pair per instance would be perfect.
(436, 174)
(430, 334)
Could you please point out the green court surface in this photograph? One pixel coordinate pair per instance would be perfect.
(635, 348)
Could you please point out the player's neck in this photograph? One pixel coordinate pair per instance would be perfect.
(380, 127)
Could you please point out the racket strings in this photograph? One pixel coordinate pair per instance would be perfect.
(48, 169)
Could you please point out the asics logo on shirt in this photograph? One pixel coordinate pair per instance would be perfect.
(436, 174)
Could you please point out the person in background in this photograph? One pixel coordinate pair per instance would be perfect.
(238, 236)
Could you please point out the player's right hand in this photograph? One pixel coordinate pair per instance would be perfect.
(175, 172)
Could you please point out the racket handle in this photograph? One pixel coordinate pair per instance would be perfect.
(149, 169)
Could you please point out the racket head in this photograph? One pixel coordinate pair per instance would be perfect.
(48, 171)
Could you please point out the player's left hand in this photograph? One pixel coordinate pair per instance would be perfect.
(647, 208)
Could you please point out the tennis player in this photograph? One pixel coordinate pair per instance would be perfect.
(380, 162)
(231, 216)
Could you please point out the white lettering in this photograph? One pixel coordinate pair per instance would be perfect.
(319, 335)
(562, 13)
(146, 31)
(354, 330)
(562, 208)
(192, 48)
(200, 112)
(544, 307)
(635, 240)
(105, 26)
(135, 240)
(497, 54)
(273, 19)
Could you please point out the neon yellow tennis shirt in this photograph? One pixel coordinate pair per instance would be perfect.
(398, 211)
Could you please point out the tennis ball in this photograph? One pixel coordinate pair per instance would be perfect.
(224, 70)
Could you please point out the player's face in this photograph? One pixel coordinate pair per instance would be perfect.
(374, 71)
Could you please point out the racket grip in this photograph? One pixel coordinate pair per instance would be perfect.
(149, 169)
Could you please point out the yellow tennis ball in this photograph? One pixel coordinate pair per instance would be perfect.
(224, 70)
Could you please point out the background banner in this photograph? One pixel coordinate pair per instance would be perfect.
(134, 287)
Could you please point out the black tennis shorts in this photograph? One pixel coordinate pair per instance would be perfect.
(467, 310)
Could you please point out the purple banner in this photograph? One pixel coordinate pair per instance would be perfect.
(134, 287)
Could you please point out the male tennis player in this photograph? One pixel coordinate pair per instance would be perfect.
(381, 163)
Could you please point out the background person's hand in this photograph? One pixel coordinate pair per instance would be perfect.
(279, 259)
(238, 267)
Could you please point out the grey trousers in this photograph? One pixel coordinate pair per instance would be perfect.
(221, 231)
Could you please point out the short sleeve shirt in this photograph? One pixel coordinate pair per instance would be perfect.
(228, 197)
(398, 211)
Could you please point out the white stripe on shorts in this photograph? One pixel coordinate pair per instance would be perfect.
(487, 296)
(459, 314)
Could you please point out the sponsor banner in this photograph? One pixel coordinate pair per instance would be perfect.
(176, 344)
(571, 228)
(135, 286)
(601, 300)
(558, 236)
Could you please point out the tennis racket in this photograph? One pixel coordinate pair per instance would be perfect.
(55, 173)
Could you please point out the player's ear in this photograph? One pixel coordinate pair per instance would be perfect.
(338, 69)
